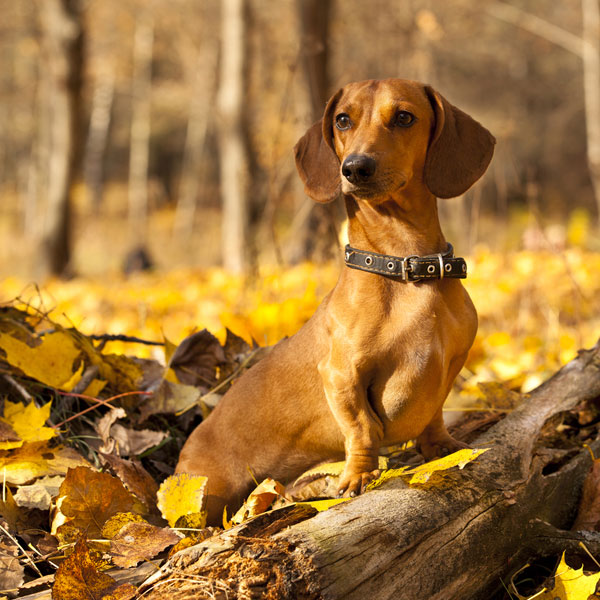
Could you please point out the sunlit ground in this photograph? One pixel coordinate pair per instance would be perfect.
(536, 309)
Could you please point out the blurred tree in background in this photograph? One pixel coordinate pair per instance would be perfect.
(167, 127)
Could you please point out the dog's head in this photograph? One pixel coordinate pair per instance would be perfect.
(378, 138)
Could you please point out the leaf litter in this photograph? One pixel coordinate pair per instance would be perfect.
(105, 464)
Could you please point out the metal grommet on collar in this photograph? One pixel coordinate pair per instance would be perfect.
(431, 269)
(464, 268)
(347, 255)
(368, 260)
(448, 267)
(391, 265)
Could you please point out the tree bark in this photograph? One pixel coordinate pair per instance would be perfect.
(453, 538)
(233, 142)
(63, 43)
(140, 128)
(318, 229)
(591, 88)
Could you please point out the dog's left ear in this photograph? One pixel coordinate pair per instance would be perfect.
(316, 160)
(460, 149)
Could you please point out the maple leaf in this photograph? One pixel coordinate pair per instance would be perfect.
(180, 495)
(89, 498)
(570, 584)
(77, 578)
(27, 422)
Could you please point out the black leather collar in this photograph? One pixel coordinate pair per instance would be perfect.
(408, 268)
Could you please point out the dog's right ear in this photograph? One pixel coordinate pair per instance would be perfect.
(316, 160)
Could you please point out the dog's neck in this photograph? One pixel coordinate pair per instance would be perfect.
(398, 227)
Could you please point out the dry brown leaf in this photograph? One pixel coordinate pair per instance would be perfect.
(103, 426)
(77, 578)
(259, 500)
(140, 541)
(196, 359)
(11, 571)
(588, 516)
(89, 498)
(169, 398)
(133, 442)
(7, 433)
(40, 493)
(136, 479)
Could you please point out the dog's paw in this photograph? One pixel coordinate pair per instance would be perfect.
(438, 448)
(352, 485)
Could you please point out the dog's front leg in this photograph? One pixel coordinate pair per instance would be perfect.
(346, 392)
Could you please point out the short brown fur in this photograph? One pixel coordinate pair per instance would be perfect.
(374, 364)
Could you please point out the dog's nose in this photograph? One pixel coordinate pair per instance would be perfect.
(358, 168)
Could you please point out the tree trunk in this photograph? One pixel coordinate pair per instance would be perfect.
(591, 88)
(63, 44)
(318, 231)
(102, 102)
(452, 538)
(233, 141)
(140, 129)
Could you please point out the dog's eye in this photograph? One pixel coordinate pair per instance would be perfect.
(342, 122)
(404, 118)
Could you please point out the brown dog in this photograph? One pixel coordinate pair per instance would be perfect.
(376, 361)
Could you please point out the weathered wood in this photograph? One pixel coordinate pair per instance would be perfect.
(454, 537)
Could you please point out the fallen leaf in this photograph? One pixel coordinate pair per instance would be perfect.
(140, 541)
(11, 572)
(259, 500)
(132, 442)
(180, 495)
(322, 505)
(28, 422)
(9, 510)
(53, 361)
(40, 493)
(588, 515)
(422, 473)
(33, 460)
(460, 459)
(196, 359)
(169, 398)
(103, 425)
(77, 578)
(89, 499)
(118, 521)
(7, 433)
(570, 584)
(136, 479)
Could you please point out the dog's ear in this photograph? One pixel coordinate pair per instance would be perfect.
(316, 160)
(460, 149)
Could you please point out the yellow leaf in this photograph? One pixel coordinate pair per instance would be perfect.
(422, 473)
(35, 460)
(458, 459)
(27, 422)
(570, 584)
(51, 362)
(180, 495)
(322, 505)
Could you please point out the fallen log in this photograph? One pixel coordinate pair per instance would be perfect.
(455, 537)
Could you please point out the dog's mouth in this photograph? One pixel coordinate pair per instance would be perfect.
(371, 190)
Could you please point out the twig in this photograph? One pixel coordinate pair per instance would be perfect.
(97, 402)
(14, 541)
(15, 384)
(86, 379)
